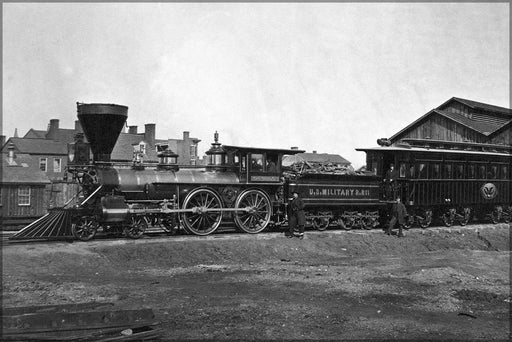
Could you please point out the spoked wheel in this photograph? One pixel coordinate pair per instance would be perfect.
(136, 228)
(371, 223)
(85, 229)
(170, 226)
(426, 219)
(448, 218)
(255, 211)
(341, 224)
(495, 215)
(320, 223)
(466, 215)
(205, 216)
(507, 215)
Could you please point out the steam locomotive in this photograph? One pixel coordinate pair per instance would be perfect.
(245, 185)
(249, 187)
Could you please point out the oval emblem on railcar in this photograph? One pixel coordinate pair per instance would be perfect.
(489, 191)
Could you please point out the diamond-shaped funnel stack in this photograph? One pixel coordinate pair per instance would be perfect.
(102, 124)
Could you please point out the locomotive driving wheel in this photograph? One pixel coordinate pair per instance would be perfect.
(136, 228)
(254, 213)
(205, 215)
(85, 229)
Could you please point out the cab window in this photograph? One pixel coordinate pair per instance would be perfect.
(256, 162)
(271, 163)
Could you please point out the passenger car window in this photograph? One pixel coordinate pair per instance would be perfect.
(402, 170)
(422, 170)
(481, 172)
(435, 171)
(471, 171)
(447, 170)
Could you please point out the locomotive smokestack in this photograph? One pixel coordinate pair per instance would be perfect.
(102, 124)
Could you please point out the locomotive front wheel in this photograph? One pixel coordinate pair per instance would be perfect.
(137, 227)
(254, 213)
(85, 229)
(204, 218)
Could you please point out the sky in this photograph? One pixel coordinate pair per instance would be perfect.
(329, 77)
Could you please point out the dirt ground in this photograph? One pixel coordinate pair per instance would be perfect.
(435, 284)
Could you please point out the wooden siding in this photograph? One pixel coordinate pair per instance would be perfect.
(460, 192)
(437, 127)
(59, 193)
(11, 209)
(504, 138)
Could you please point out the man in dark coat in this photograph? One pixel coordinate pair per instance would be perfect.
(398, 214)
(297, 217)
(390, 180)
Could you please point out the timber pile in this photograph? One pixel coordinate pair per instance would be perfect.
(99, 322)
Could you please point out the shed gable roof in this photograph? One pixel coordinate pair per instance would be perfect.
(38, 146)
(25, 170)
(475, 123)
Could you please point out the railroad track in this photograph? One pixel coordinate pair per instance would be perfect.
(229, 232)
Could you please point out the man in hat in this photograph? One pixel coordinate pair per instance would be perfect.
(297, 217)
(398, 214)
(390, 180)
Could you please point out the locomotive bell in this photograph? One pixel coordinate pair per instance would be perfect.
(102, 124)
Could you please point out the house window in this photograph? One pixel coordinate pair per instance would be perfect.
(42, 164)
(0, 196)
(193, 154)
(24, 196)
(142, 148)
(57, 164)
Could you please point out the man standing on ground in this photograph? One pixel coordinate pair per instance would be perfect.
(297, 218)
(398, 214)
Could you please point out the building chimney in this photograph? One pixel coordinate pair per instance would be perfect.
(10, 154)
(294, 148)
(16, 133)
(53, 129)
(2, 141)
(132, 129)
(149, 133)
(78, 127)
(186, 135)
(314, 152)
